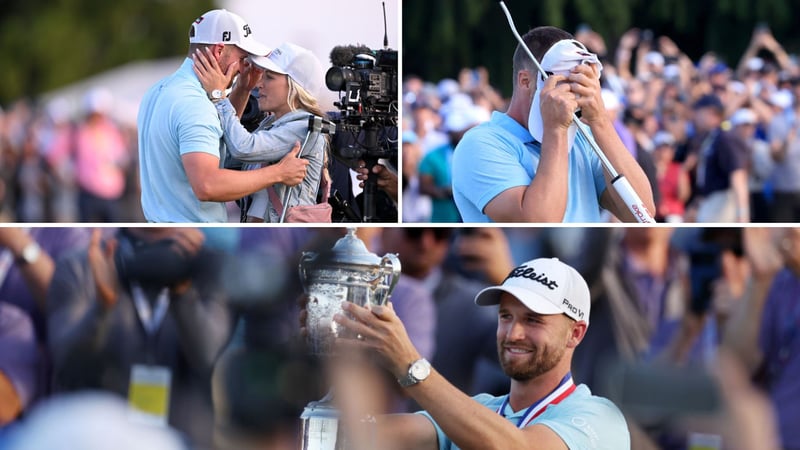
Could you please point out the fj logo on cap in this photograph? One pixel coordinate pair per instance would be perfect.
(530, 273)
(575, 310)
(226, 36)
(247, 31)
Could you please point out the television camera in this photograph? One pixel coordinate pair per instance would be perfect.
(367, 116)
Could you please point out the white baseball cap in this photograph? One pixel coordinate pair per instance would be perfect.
(545, 286)
(220, 26)
(295, 61)
(610, 100)
(663, 138)
(744, 116)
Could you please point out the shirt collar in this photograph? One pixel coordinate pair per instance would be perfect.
(505, 122)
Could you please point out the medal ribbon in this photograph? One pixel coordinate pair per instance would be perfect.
(562, 391)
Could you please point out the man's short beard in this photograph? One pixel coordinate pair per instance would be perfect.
(540, 362)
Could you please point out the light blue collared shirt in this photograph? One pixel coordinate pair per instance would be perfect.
(175, 118)
(501, 154)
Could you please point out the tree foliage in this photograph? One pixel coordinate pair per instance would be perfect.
(48, 43)
(439, 38)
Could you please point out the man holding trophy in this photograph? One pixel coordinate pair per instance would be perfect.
(543, 316)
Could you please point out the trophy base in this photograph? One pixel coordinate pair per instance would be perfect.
(320, 427)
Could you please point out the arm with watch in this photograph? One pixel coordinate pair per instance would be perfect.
(467, 423)
(36, 265)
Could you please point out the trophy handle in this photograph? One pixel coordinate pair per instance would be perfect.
(390, 264)
(305, 258)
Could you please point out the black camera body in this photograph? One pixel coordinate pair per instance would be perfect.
(367, 81)
(366, 123)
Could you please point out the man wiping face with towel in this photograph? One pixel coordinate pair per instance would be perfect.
(527, 164)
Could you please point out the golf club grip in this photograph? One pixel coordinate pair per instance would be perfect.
(632, 200)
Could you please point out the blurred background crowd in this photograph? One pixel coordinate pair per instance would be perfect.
(693, 331)
(664, 105)
(65, 164)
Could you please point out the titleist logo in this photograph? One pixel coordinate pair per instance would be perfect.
(530, 273)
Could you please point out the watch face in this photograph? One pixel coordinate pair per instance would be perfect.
(420, 370)
(216, 93)
(30, 253)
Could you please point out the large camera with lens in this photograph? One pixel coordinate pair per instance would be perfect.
(368, 104)
(366, 120)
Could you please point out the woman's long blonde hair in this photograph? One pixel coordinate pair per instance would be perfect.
(299, 98)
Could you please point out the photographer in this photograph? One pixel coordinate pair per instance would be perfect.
(142, 312)
(286, 89)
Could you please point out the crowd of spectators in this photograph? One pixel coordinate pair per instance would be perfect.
(665, 105)
(692, 330)
(68, 163)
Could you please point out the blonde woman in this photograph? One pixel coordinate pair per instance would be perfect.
(287, 80)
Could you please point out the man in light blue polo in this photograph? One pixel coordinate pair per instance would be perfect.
(181, 152)
(501, 173)
(543, 316)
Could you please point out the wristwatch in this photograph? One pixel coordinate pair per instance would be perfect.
(418, 371)
(30, 254)
(217, 94)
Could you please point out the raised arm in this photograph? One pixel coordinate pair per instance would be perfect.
(260, 145)
(198, 304)
(742, 330)
(38, 272)
(545, 198)
(584, 81)
(466, 422)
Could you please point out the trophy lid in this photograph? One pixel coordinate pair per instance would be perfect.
(352, 250)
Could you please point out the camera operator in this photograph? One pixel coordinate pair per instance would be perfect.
(387, 178)
(351, 207)
(142, 313)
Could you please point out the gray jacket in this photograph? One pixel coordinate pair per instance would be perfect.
(270, 142)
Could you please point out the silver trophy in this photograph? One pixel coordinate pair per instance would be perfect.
(347, 272)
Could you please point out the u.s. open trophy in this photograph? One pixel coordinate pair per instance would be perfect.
(347, 272)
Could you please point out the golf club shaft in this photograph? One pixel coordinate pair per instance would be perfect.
(618, 181)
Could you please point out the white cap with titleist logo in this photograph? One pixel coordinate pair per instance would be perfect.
(220, 26)
(295, 61)
(545, 286)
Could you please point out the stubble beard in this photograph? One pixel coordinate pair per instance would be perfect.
(539, 361)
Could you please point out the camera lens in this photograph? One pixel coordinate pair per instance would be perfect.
(337, 77)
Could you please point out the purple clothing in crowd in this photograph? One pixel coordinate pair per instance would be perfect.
(20, 355)
(780, 342)
(626, 137)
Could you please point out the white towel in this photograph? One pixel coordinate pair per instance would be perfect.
(559, 60)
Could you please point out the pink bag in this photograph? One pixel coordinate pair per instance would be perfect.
(318, 213)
